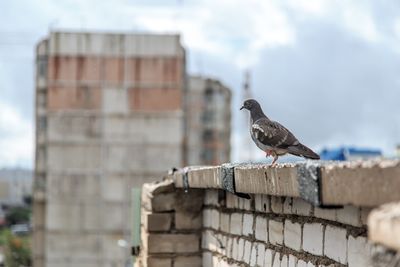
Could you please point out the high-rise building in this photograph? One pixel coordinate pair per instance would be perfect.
(208, 121)
(113, 111)
(109, 117)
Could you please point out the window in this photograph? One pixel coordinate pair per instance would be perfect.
(208, 155)
(208, 94)
(208, 135)
(42, 66)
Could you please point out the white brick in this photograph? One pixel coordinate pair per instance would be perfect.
(292, 261)
(184, 261)
(301, 207)
(260, 254)
(358, 252)
(335, 244)
(301, 263)
(245, 204)
(211, 197)
(224, 222)
(349, 215)
(207, 259)
(215, 219)
(287, 205)
(277, 260)
(221, 243)
(225, 240)
(209, 241)
(277, 204)
(269, 257)
(310, 264)
(364, 215)
(229, 245)
(284, 261)
(204, 239)
(275, 232)
(247, 251)
(215, 261)
(253, 256)
(232, 201)
(262, 203)
(247, 225)
(207, 219)
(292, 234)
(236, 223)
(240, 249)
(261, 229)
(258, 202)
(326, 214)
(224, 263)
(313, 235)
(235, 249)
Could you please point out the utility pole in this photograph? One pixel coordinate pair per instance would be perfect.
(246, 94)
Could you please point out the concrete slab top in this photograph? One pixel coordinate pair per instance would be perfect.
(322, 183)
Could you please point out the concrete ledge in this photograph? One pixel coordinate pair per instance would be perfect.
(197, 177)
(262, 179)
(367, 183)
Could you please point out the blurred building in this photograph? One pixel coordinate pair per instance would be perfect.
(15, 185)
(109, 117)
(350, 153)
(208, 113)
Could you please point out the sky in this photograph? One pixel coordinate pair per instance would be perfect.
(327, 70)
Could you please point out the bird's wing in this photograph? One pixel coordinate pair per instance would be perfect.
(273, 134)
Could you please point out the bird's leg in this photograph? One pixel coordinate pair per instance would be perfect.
(273, 164)
(268, 153)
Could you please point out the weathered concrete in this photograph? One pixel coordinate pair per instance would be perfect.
(118, 44)
(369, 183)
(262, 179)
(337, 184)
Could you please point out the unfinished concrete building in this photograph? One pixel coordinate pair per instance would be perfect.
(108, 107)
(208, 113)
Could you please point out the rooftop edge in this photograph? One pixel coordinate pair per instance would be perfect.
(322, 183)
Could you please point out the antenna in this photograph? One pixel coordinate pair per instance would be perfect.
(246, 86)
(246, 94)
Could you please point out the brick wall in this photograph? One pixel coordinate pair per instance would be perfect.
(280, 231)
(278, 228)
(171, 226)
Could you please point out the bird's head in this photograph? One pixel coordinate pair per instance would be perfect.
(250, 104)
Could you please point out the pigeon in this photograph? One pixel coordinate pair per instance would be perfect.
(272, 137)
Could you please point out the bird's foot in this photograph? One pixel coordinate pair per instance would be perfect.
(273, 164)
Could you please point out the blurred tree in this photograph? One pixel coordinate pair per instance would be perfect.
(18, 215)
(17, 249)
(28, 200)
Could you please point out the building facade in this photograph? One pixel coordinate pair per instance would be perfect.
(15, 186)
(208, 117)
(108, 106)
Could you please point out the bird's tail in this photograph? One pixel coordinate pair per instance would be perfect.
(302, 151)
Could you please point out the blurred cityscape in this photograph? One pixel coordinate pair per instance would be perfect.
(115, 109)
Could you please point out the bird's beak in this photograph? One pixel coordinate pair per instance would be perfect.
(242, 108)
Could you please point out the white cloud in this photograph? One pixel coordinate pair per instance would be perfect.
(310, 7)
(359, 19)
(16, 138)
